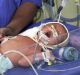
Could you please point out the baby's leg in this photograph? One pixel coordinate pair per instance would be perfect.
(23, 62)
(36, 58)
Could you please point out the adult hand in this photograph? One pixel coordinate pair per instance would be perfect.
(1, 37)
(5, 31)
(2, 32)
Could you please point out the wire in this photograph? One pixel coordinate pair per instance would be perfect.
(27, 59)
(59, 70)
(59, 17)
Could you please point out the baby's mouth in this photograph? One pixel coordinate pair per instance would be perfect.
(48, 34)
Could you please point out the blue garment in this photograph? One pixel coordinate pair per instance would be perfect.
(8, 8)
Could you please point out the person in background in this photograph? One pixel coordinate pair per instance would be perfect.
(15, 15)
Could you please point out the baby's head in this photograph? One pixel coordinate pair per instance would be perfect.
(55, 33)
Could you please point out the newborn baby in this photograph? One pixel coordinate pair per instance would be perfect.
(37, 41)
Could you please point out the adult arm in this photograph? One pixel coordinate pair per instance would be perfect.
(23, 16)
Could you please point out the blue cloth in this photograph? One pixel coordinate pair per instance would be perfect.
(8, 8)
(66, 65)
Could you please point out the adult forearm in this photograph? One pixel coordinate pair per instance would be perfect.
(23, 16)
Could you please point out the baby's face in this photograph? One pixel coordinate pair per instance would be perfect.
(55, 33)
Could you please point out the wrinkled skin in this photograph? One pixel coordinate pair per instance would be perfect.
(24, 45)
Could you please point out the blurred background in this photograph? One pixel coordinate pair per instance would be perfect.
(70, 11)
